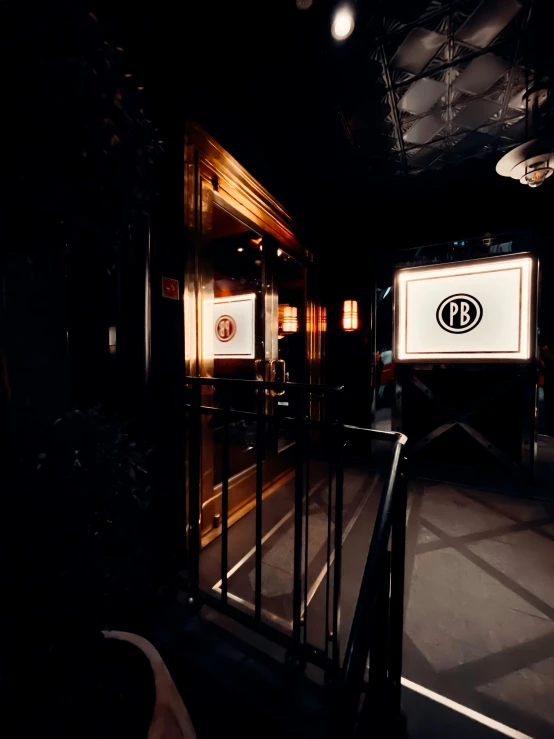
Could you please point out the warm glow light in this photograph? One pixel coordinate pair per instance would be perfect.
(350, 315)
(113, 339)
(502, 288)
(323, 318)
(240, 248)
(279, 252)
(343, 24)
(288, 319)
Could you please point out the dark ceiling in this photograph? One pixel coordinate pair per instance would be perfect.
(391, 136)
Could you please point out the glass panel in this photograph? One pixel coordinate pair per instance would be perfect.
(424, 130)
(481, 74)
(417, 50)
(421, 96)
(232, 333)
(476, 113)
(490, 18)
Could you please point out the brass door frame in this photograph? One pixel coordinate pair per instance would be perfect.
(212, 176)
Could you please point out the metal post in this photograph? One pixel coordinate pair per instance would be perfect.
(297, 554)
(260, 451)
(194, 486)
(360, 632)
(225, 499)
(306, 523)
(398, 555)
(375, 710)
(329, 634)
(337, 572)
(400, 377)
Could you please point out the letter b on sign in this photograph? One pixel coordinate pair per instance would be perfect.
(459, 314)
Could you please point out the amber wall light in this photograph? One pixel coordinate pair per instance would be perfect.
(350, 315)
(288, 319)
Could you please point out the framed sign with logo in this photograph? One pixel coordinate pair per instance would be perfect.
(233, 329)
(476, 311)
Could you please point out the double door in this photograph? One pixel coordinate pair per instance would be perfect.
(247, 306)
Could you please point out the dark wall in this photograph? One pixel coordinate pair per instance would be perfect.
(34, 321)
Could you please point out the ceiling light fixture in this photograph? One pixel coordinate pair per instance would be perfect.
(343, 23)
(532, 162)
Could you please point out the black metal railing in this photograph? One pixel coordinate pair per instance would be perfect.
(376, 631)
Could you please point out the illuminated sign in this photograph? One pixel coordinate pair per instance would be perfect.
(234, 326)
(478, 311)
(225, 328)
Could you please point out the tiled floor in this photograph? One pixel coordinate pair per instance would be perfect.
(480, 602)
(479, 623)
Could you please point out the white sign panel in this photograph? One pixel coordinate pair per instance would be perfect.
(233, 327)
(474, 311)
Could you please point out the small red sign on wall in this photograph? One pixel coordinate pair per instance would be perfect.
(170, 288)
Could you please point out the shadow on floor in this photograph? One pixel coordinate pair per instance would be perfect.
(479, 624)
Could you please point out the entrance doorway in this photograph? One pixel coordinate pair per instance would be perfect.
(248, 316)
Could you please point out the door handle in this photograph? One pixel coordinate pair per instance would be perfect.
(278, 374)
(272, 370)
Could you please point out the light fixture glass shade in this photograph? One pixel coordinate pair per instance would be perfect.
(350, 315)
(535, 177)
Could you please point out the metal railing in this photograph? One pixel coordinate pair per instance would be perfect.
(376, 631)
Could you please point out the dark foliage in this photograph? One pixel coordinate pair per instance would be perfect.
(76, 529)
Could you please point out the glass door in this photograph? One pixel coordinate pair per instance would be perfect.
(232, 316)
(252, 325)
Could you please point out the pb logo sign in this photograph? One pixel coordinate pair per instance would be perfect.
(459, 314)
(225, 328)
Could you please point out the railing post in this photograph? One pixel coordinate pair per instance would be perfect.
(398, 554)
(337, 571)
(225, 498)
(364, 616)
(329, 633)
(297, 551)
(376, 706)
(260, 453)
(306, 455)
(195, 436)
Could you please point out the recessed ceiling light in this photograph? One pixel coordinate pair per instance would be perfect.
(343, 23)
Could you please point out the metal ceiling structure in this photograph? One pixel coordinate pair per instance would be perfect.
(454, 78)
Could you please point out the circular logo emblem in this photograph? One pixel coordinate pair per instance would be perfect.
(225, 328)
(459, 314)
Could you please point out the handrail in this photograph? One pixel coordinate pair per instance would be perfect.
(271, 385)
(380, 602)
(359, 640)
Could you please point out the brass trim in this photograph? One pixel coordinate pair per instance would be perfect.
(213, 177)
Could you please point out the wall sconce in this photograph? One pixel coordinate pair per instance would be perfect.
(288, 319)
(113, 339)
(350, 315)
(323, 317)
